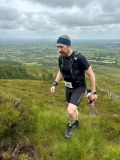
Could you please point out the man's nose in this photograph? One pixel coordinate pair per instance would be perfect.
(59, 49)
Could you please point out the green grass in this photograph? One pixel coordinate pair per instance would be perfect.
(98, 138)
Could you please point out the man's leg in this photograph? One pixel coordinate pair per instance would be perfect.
(77, 114)
(72, 113)
(73, 98)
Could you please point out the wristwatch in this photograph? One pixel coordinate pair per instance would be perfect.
(55, 83)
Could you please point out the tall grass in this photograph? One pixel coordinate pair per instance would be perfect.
(97, 138)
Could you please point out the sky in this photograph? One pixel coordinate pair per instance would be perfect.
(80, 19)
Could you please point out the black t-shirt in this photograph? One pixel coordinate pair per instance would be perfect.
(73, 68)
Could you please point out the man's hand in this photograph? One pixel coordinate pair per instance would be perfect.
(52, 89)
(91, 98)
(94, 97)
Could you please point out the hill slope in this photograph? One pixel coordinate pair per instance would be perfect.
(97, 137)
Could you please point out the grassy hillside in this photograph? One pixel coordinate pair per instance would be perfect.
(98, 138)
(25, 72)
(33, 121)
(108, 78)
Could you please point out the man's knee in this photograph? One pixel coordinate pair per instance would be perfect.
(71, 110)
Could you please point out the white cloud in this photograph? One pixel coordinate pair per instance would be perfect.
(48, 18)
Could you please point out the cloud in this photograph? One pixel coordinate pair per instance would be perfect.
(51, 17)
(81, 13)
(9, 18)
(8, 14)
(62, 3)
(106, 4)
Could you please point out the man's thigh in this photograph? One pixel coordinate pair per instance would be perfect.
(77, 96)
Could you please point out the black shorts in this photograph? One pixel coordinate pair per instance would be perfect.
(74, 96)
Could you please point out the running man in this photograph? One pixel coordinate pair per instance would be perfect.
(72, 67)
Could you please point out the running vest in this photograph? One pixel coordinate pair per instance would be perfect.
(72, 70)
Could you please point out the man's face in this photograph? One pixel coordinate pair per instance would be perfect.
(63, 49)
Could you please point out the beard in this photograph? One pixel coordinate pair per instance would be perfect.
(63, 54)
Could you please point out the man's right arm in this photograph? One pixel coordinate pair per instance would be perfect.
(57, 80)
(58, 77)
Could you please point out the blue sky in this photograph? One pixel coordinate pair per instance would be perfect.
(50, 18)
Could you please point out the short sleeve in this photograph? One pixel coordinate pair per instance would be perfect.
(83, 62)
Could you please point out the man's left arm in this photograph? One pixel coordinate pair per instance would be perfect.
(91, 76)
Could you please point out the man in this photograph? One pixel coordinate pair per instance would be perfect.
(72, 67)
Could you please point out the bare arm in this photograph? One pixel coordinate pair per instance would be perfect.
(58, 76)
(57, 80)
(91, 76)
